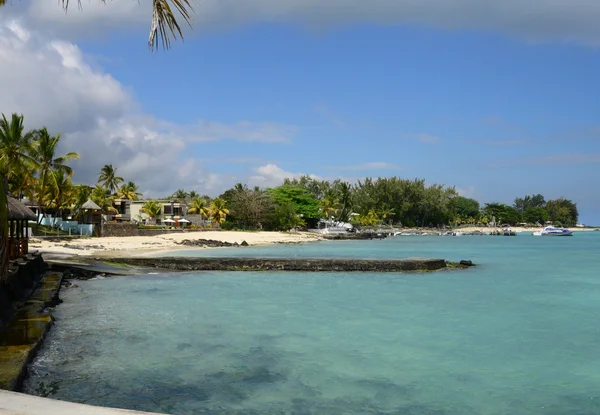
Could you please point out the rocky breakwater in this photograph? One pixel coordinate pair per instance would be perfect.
(289, 264)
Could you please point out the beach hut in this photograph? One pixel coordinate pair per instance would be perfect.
(19, 216)
(91, 213)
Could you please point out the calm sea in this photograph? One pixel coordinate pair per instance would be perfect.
(518, 334)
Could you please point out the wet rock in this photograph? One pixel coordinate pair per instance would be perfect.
(467, 263)
(244, 243)
(207, 243)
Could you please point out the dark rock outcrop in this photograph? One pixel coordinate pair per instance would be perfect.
(467, 263)
(210, 243)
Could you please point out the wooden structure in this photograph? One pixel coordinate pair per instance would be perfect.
(19, 216)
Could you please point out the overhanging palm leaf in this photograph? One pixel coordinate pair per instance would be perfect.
(164, 24)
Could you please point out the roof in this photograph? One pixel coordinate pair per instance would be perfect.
(90, 205)
(18, 211)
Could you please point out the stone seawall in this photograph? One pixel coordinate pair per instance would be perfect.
(21, 338)
(24, 276)
(286, 264)
(119, 229)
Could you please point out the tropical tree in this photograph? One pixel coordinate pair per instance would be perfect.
(218, 210)
(152, 208)
(328, 205)
(108, 178)
(199, 206)
(102, 198)
(129, 191)
(52, 170)
(193, 194)
(16, 147)
(288, 218)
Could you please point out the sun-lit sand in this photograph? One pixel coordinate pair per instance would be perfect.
(135, 245)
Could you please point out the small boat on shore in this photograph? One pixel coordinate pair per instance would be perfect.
(552, 231)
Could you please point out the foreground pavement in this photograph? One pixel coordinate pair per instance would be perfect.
(13, 403)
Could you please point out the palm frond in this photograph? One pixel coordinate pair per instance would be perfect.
(164, 24)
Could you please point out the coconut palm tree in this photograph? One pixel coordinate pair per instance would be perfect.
(16, 147)
(199, 207)
(100, 197)
(153, 209)
(164, 24)
(108, 178)
(218, 211)
(193, 194)
(51, 169)
(129, 191)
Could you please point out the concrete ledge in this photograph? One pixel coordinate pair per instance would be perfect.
(284, 264)
(13, 403)
(21, 338)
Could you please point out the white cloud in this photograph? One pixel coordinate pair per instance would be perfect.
(52, 83)
(271, 175)
(537, 20)
(468, 191)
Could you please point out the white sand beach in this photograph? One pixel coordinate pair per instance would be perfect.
(136, 245)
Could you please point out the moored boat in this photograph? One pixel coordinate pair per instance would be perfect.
(552, 231)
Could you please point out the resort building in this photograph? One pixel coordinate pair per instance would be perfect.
(131, 211)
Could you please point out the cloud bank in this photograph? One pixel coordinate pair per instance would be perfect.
(532, 20)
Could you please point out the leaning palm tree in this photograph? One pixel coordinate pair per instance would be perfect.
(152, 208)
(164, 25)
(108, 178)
(218, 211)
(199, 207)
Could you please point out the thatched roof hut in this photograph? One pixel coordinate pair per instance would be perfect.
(18, 211)
(90, 205)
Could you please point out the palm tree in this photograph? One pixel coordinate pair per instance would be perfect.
(16, 147)
(50, 168)
(109, 179)
(164, 25)
(152, 208)
(328, 205)
(62, 195)
(100, 197)
(129, 191)
(218, 211)
(199, 207)
(193, 194)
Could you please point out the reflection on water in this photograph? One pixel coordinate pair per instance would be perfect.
(516, 335)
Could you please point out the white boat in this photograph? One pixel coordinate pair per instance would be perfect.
(551, 231)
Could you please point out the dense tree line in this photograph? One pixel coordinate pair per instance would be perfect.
(382, 201)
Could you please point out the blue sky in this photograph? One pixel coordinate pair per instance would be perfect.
(503, 107)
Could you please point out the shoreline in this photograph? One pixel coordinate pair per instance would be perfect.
(150, 245)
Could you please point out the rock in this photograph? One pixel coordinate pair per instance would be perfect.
(244, 243)
(467, 263)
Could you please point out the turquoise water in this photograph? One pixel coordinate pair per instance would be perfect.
(518, 334)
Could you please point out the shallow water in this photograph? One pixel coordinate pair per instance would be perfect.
(518, 334)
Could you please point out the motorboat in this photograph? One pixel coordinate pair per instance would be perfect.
(552, 231)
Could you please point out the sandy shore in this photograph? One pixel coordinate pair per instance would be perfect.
(138, 245)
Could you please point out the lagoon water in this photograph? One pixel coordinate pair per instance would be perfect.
(518, 334)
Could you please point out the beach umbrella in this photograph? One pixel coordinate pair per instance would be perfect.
(183, 220)
(168, 220)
